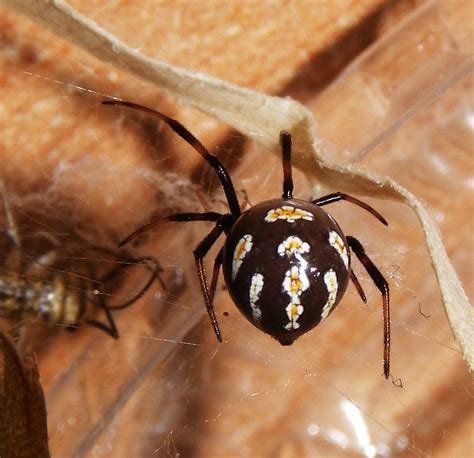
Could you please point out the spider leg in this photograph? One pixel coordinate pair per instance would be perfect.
(337, 196)
(358, 286)
(215, 273)
(187, 136)
(285, 142)
(382, 285)
(199, 254)
(179, 217)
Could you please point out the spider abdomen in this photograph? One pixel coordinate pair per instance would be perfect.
(287, 265)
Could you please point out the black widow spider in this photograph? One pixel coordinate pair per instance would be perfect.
(286, 262)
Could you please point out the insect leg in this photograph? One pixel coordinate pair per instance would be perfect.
(110, 328)
(382, 285)
(155, 275)
(337, 196)
(87, 296)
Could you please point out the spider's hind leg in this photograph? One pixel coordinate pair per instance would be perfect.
(382, 285)
(358, 286)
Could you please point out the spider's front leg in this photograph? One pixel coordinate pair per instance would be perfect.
(337, 196)
(222, 225)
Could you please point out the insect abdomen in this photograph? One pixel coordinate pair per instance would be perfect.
(48, 301)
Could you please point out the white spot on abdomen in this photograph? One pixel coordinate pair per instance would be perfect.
(256, 286)
(295, 282)
(288, 213)
(242, 249)
(294, 311)
(338, 244)
(330, 280)
(292, 245)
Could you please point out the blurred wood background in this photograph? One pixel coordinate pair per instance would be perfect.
(101, 173)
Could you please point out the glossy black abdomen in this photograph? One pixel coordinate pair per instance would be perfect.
(286, 264)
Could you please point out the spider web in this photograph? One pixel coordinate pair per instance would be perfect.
(166, 386)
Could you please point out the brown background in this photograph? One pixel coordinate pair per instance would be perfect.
(83, 170)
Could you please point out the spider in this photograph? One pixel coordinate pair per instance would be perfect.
(286, 262)
(57, 296)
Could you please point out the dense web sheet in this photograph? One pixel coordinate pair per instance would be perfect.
(87, 174)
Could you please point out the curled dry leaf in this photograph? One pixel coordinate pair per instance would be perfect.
(263, 117)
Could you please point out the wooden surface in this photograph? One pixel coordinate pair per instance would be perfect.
(166, 386)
